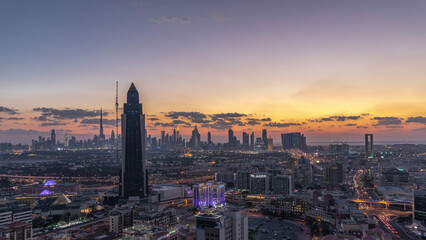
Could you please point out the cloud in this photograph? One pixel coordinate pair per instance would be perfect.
(252, 122)
(7, 110)
(385, 121)
(21, 132)
(194, 117)
(281, 125)
(227, 116)
(97, 121)
(361, 127)
(12, 118)
(164, 124)
(335, 118)
(180, 122)
(153, 119)
(219, 17)
(418, 119)
(54, 123)
(171, 20)
(345, 118)
(66, 113)
(350, 125)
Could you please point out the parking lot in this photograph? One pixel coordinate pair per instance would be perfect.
(277, 229)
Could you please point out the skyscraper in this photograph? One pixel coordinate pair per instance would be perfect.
(265, 137)
(245, 140)
(252, 141)
(195, 138)
(53, 137)
(101, 130)
(231, 138)
(209, 138)
(369, 145)
(134, 175)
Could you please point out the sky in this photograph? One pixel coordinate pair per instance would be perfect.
(331, 69)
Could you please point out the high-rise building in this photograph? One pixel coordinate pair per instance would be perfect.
(252, 141)
(420, 206)
(259, 183)
(334, 174)
(242, 179)
(195, 138)
(265, 137)
(294, 140)
(246, 139)
(53, 137)
(229, 225)
(231, 138)
(208, 194)
(101, 130)
(270, 145)
(282, 184)
(163, 135)
(209, 138)
(66, 140)
(134, 175)
(369, 145)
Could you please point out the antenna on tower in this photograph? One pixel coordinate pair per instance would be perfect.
(116, 119)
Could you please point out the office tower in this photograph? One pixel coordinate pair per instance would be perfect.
(252, 141)
(66, 141)
(53, 137)
(101, 130)
(334, 174)
(195, 138)
(209, 138)
(231, 138)
(112, 138)
(163, 135)
(228, 225)
(420, 206)
(246, 140)
(208, 194)
(242, 180)
(177, 134)
(134, 175)
(259, 145)
(369, 145)
(154, 143)
(174, 136)
(224, 177)
(270, 145)
(282, 184)
(294, 140)
(265, 137)
(259, 183)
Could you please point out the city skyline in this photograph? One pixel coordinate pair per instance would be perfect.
(318, 70)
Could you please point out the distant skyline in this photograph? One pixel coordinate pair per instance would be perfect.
(333, 70)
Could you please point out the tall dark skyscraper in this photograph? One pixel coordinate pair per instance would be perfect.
(195, 139)
(53, 137)
(252, 141)
(134, 175)
(246, 140)
(209, 138)
(231, 138)
(369, 145)
(101, 130)
(265, 137)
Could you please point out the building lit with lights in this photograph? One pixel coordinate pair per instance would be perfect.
(208, 194)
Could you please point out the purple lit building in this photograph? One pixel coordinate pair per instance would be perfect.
(209, 194)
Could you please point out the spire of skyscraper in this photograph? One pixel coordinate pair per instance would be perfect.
(101, 129)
